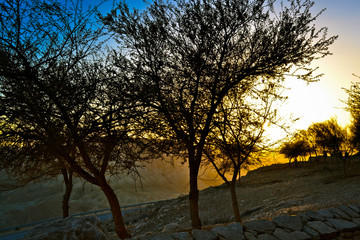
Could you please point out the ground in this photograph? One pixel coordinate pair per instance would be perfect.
(262, 194)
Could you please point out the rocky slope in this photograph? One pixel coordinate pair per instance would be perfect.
(263, 194)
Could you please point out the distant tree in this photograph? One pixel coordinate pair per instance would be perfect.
(295, 148)
(310, 136)
(59, 98)
(330, 136)
(184, 57)
(353, 106)
(237, 139)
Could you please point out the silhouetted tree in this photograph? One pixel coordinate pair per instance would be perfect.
(330, 137)
(295, 148)
(57, 94)
(237, 137)
(183, 58)
(353, 106)
(25, 162)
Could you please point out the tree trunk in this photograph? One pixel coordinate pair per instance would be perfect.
(235, 202)
(194, 197)
(120, 228)
(67, 174)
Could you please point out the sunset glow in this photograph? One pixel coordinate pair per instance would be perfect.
(316, 102)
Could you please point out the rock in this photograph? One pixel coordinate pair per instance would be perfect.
(203, 235)
(341, 225)
(314, 234)
(325, 213)
(182, 236)
(314, 216)
(349, 212)
(232, 232)
(70, 228)
(261, 226)
(339, 214)
(160, 236)
(355, 208)
(323, 229)
(250, 236)
(171, 227)
(304, 218)
(282, 234)
(300, 235)
(356, 221)
(266, 236)
(293, 223)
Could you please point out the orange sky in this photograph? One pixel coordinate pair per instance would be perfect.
(319, 101)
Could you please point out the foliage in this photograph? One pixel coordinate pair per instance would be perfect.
(236, 140)
(295, 148)
(353, 106)
(184, 57)
(329, 136)
(60, 100)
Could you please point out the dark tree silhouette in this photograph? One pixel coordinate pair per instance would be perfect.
(237, 139)
(294, 149)
(353, 106)
(28, 161)
(329, 136)
(58, 97)
(183, 58)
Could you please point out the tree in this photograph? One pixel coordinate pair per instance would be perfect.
(237, 139)
(353, 106)
(294, 149)
(25, 163)
(183, 58)
(330, 137)
(59, 96)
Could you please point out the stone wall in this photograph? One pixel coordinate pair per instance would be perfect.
(333, 223)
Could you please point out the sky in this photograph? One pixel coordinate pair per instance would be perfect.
(317, 102)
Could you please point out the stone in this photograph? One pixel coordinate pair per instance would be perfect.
(282, 234)
(305, 218)
(266, 236)
(349, 212)
(203, 235)
(231, 232)
(181, 236)
(70, 228)
(355, 208)
(250, 236)
(314, 216)
(261, 226)
(325, 213)
(323, 229)
(314, 234)
(339, 214)
(160, 236)
(342, 225)
(300, 235)
(171, 227)
(290, 222)
(356, 221)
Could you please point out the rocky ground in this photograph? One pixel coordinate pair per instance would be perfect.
(263, 194)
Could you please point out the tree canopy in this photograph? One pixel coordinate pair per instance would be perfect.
(184, 57)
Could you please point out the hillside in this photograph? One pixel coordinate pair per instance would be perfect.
(263, 194)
